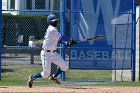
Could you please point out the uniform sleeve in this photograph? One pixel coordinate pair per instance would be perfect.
(53, 35)
(63, 39)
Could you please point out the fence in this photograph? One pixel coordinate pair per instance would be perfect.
(99, 60)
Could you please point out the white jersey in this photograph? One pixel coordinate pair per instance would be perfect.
(50, 41)
(51, 38)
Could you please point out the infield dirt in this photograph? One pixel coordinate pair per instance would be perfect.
(70, 89)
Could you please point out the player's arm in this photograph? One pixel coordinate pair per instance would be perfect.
(67, 41)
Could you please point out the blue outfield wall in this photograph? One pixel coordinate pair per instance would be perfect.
(113, 20)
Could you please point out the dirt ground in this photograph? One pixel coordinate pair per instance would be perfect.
(70, 89)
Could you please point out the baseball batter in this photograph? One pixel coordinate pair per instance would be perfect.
(49, 54)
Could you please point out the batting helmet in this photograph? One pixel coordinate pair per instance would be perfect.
(52, 18)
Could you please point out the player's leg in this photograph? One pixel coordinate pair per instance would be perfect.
(62, 66)
(46, 64)
(32, 78)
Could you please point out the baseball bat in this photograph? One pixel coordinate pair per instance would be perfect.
(91, 38)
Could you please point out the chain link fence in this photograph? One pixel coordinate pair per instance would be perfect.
(24, 19)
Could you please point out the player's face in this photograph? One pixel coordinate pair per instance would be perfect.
(54, 23)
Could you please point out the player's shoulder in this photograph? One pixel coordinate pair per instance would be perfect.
(52, 28)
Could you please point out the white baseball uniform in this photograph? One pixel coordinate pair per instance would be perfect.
(49, 54)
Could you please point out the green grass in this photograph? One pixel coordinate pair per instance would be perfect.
(89, 74)
(18, 76)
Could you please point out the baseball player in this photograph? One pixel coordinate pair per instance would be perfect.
(49, 54)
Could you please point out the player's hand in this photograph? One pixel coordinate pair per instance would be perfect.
(72, 42)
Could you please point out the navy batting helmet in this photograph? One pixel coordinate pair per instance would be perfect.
(52, 18)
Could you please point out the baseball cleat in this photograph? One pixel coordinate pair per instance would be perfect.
(30, 81)
(54, 80)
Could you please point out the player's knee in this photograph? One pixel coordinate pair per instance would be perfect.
(64, 68)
